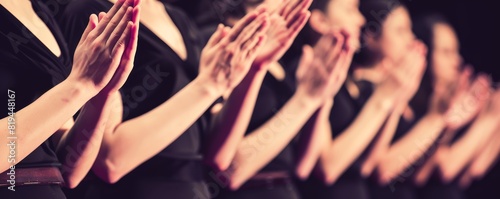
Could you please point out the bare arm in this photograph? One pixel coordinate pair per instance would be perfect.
(44, 116)
(485, 160)
(335, 159)
(382, 144)
(312, 140)
(232, 122)
(458, 155)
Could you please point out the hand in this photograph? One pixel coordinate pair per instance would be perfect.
(468, 104)
(323, 70)
(230, 52)
(403, 77)
(286, 21)
(445, 92)
(103, 43)
(493, 106)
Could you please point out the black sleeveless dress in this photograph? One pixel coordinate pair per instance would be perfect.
(402, 186)
(350, 184)
(159, 73)
(272, 96)
(30, 69)
(436, 188)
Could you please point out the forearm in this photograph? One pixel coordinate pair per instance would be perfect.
(485, 160)
(382, 144)
(314, 137)
(411, 147)
(463, 151)
(35, 123)
(335, 159)
(131, 143)
(78, 149)
(232, 122)
(265, 143)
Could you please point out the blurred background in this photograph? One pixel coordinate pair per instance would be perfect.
(476, 25)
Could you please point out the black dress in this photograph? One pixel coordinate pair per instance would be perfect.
(402, 186)
(159, 73)
(30, 69)
(350, 184)
(436, 188)
(272, 96)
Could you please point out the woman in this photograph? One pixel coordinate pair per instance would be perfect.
(359, 110)
(48, 149)
(457, 151)
(253, 141)
(152, 143)
(392, 165)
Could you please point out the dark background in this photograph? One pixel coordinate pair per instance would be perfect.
(476, 25)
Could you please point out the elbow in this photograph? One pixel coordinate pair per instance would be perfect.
(329, 174)
(301, 173)
(108, 172)
(385, 174)
(447, 172)
(329, 178)
(71, 182)
(218, 163)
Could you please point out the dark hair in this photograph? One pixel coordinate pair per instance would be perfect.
(233, 8)
(375, 13)
(424, 30)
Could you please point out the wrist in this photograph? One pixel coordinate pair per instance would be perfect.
(206, 88)
(79, 89)
(384, 102)
(306, 101)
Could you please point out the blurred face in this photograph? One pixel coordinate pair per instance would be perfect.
(445, 58)
(345, 15)
(397, 36)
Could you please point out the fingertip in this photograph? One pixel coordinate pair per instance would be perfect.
(135, 14)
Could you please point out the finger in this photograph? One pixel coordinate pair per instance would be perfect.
(103, 23)
(90, 26)
(305, 61)
(254, 47)
(119, 48)
(321, 47)
(101, 15)
(251, 30)
(241, 24)
(335, 50)
(289, 7)
(298, 10)
(118, 31)
(216, 36)
(297, 26)
(277, 9)
(121, 15)
(250, 44)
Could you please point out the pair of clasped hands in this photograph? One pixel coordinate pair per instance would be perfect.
(105, 54)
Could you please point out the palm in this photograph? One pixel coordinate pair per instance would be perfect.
(274, 48)
(286, 22)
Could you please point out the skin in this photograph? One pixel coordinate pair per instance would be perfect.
(102, 62)
(333, 159)
(169, 120)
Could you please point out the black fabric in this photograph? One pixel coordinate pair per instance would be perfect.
(158, 74)
(401, 187)
(272, 96)
(30, 69)
(436, 189)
